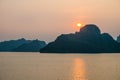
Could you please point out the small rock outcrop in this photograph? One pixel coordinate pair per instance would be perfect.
(118, 39)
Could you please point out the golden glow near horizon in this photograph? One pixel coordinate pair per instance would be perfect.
(45, 20)
(79, 24)
(79, 70)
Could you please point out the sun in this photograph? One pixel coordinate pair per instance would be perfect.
(79, 25)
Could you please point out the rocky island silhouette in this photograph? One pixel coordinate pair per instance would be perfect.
(88, 40)
(21, 45)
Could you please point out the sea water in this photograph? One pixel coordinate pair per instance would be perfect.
(38, 66)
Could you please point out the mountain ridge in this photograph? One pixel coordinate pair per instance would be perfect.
(88, 40)
(12, 45)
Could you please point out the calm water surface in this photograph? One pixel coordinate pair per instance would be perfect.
(36, 66)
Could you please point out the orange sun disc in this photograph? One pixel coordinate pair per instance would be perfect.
(79, 24)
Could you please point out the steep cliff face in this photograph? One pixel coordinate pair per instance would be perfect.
(88, 40)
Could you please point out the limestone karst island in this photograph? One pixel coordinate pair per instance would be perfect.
(88, 40)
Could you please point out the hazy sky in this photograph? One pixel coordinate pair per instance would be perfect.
(46, 19)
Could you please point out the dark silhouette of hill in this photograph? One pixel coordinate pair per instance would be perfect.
(88, 40)
(118, 39)
(9, 45)
(14, 45)
(33, 46)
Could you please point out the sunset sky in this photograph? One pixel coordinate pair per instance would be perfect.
(46, 19)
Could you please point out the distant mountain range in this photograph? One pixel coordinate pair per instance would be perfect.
(21, 45)
(88, 40)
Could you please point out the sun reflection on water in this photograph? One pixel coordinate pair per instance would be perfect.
(78, 70)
